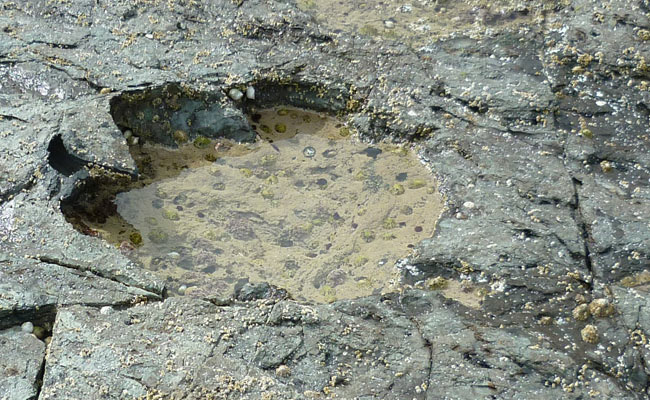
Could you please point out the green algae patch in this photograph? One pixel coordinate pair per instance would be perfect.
(307, 209)
(202, 142)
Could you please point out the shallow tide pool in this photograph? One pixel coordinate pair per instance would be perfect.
(420, 22)
(308, 209)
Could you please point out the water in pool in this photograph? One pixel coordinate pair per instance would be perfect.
(308, 208)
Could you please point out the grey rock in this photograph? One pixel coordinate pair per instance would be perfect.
(522, 217)
(196, 349)
(88, 133)
(542, 127)
(260, 291)
(20, 365)
(33, 227)
(30, 289)
(33, 80)
(24, 153)
(368, 348)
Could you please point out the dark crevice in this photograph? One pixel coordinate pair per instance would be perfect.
(575, 207)
(481, 108)
(316, 97)
(51, 260)
(41, 315)
(17, 189)
(54, 45)
(429, 347)
(468, 121)
(297, 349)
(68, 164)
(11, 117)
(584, 232)
(61, 160)
(41, 373)
(476, 360)
(643, 364)
(92, 85)
(473, 123)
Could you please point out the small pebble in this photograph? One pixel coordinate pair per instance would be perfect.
(106, 310)
(329, 153)
(235, 94)
(469, 205)
(182, 289)
(27, 327)
(40, 332)
(250, 93)
(389, 23)
(309, 152)
(372, 152)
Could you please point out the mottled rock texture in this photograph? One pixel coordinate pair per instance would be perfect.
(536, 131)
(20, 365)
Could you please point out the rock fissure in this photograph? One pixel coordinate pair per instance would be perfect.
(10, 117)
(80, 268)
(584, 233)
(22, 187)
(39, 377)
(429, 346)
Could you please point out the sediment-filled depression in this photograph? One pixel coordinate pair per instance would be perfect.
(307, 208)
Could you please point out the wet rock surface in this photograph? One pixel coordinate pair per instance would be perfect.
(537, 133)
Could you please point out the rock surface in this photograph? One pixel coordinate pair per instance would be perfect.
(536, 130)
(20, 365)
(410, 346)
(33, 289)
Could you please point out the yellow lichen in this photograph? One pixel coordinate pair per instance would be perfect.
(581, 312)
(589, 334)
(601, 308)
(585, 59)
